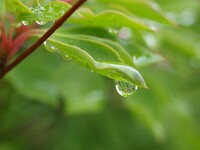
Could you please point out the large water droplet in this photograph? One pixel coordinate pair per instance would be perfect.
(125, 89)
(50, 47)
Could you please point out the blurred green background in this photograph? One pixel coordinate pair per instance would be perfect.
(47, 103)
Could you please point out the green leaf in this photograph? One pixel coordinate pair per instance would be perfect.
(98, 50)
(145, 9)
(17, 6)
(106, 63)
(2, 7)
(108, 44)
(87, 31)
(109, 18)
(50, 12)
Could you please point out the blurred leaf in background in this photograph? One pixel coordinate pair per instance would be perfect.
(58, 100)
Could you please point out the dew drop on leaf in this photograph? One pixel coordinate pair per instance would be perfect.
(38, 11)
(50, 47)
(66, 57)
(41, 22)
(26, 23)
(113, 31)
(125, 89)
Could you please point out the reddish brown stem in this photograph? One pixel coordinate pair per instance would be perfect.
(42, 39)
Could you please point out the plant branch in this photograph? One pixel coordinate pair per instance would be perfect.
(42, 39)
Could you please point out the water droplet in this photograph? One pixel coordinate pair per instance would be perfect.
(66, 57)
(113, 31)
(125, 89)
(26, 23)
(41, 22)
(38, 11)
(50, 47)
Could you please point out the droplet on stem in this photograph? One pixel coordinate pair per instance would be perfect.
(125, 89)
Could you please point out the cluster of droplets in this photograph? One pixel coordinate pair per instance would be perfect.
(52, 48)
(125, 89)
(38, 11)
(113, 31)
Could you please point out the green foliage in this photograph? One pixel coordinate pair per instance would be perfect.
(109, 18)
(51, 102)
(17, 6)
(49, 12)
(2, 8)
(146, 9)
(99, 58)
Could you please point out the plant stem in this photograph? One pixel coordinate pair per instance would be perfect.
(42, 39)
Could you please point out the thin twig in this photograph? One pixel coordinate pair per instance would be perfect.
(42, 39)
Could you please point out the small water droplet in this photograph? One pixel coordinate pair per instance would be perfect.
(66, 57)
(26, 23)
(113, 31)
(41, 22)
(125, 89)
(50, 47)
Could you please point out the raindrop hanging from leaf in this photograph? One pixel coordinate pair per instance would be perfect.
(125, 89)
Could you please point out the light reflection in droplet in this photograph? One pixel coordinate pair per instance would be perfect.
(125, 89)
